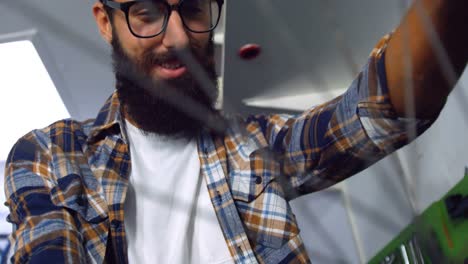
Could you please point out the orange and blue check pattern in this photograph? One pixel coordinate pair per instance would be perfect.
(66, 184)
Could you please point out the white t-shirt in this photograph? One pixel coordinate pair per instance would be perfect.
(169, 217)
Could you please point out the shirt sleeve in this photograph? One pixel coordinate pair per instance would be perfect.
(337, 139)
(42, 231)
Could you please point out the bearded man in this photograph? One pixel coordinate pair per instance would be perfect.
(160, 176)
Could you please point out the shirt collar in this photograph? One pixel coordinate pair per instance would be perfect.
(110, 119)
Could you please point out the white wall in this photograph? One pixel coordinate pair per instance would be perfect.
(70, 46)
(383, 197)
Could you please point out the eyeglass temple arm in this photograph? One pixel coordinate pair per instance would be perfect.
(111, 4)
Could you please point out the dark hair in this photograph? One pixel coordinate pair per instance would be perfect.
(109, 11)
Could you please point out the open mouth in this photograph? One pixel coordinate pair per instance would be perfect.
(170, 69)
(172, 65)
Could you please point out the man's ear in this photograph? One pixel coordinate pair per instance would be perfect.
(103, 21)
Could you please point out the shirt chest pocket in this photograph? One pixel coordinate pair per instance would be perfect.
(268, 218)
(251, 168)
(71, 193)
(260, 199)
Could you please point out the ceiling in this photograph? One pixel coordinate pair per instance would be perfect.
(70, 47)
(308, 46)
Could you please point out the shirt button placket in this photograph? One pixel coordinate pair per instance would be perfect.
(258, 180)
(219, 198)
(239, 249)
(116, 224)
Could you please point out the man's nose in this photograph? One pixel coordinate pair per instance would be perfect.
(175, 35)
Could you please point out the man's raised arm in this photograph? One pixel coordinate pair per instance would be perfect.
(414, 58)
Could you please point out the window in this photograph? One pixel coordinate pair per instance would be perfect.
(28, 97)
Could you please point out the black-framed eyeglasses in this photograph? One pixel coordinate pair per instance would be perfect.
(149, 18)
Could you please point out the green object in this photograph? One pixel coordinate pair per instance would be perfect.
(433, 237)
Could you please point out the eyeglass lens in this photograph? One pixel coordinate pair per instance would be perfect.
(147, 18)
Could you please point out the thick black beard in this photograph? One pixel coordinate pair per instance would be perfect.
(160, 106)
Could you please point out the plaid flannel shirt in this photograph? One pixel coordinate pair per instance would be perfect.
(66, 184)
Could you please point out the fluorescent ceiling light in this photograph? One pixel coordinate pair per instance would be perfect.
(298, 102)
(28, 97)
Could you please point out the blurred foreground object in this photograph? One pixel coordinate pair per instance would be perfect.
(438, 235)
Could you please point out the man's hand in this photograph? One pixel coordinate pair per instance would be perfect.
(414, 59)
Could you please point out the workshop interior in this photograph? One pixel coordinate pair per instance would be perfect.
(272, 56)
